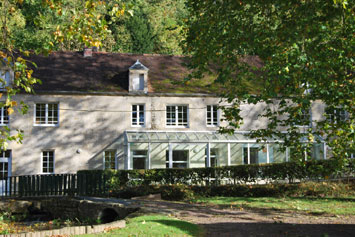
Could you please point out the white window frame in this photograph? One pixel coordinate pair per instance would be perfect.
(215, 156)
(5, 159)
(2, 115)
(176, 125)
(250, 146)
(104, 158)
(171, 161)
(334, 117)
(42, 161)
(140, 157)
(309, 119)
(138, 112)
(46, 124)
(212, 107)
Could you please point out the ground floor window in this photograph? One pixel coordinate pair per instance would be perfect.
(48, 161)
(4, 164)
(185, 149)
(213, 157)
(110, 159)
(179, 159)
(139, 159)
(253, 154)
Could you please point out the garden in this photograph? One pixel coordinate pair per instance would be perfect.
(187, 201)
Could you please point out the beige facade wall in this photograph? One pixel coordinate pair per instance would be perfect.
(91, 124)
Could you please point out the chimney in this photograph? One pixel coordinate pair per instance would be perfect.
(87, 52)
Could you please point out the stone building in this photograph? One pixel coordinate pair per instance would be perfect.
(123, 111)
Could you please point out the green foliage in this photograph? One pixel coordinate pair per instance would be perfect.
(28, 27)
(177, 192)
(116, 26)
(143, 40)
(301, 51)
(123, 183)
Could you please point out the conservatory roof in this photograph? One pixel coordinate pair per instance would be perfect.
(187, 137)
(196, 137)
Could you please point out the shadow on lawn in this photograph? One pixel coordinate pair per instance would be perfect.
(188, 228)
(339, 199)
(278, 229)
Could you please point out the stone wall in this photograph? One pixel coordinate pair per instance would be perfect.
(103, 209)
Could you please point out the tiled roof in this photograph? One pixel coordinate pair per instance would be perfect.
(108, 72)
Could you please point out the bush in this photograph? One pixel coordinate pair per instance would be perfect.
(99, 182)
(177, 192)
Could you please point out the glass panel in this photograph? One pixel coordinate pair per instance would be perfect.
(52, 113)
(48, 161)
(141, 82)
(4, 115)
(180, 158)
(139, 153)
(141, 115)
(276, 155)
(317, 151)
(110, 159)
(167, 156)
(138, 163)
(180, 155)
(245, 155)
(254, 155)
(209, 115)
(40, 113)
(213, 157)
(215, 115)
(170, 116)
(134, 114)
(3, 170)
(180, 165)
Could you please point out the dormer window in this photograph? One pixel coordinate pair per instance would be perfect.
(138, 82)
(138, 77)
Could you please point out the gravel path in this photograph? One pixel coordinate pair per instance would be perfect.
(240, 222)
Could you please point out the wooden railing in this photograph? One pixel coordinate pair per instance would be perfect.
(39, 185)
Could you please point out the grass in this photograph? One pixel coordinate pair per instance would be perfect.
(335, 206)
(154, 225)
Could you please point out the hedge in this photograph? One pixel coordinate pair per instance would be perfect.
(241, 174)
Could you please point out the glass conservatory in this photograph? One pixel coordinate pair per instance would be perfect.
(185, 149)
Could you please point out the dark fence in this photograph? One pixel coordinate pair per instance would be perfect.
(39, 185)
(93, 184)
(106, 182)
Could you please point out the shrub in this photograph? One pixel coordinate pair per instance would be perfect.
(99, 182)
(177, 192)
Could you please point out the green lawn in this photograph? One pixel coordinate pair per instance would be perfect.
(154, 225)
(336, 206)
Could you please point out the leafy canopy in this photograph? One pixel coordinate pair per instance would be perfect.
(77, 24)
(307, 52)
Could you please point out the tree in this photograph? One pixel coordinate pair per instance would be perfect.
(141, 33)
(307, 52)
(77, 24)
(156, 25)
